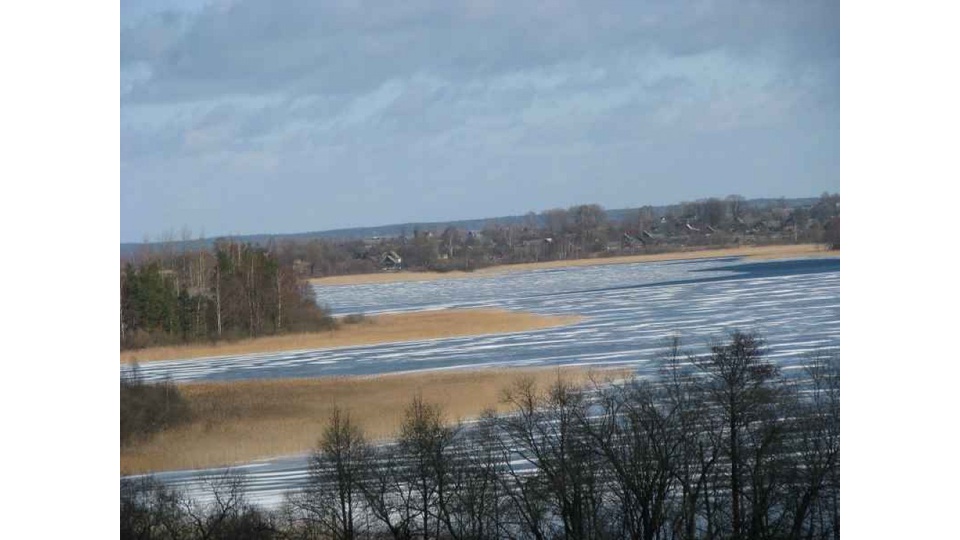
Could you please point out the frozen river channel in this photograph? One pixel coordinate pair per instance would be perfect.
(629, 308)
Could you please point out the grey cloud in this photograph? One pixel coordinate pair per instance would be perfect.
(543, 99)
(416, 97)
(317, 47)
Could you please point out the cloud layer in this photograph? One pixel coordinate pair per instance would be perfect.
(255, 116)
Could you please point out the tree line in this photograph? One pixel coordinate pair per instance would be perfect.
(234, 290)
(720, 445)
(580, 231)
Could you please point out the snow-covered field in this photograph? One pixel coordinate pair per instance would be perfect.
(631, 309)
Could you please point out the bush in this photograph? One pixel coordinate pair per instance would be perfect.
(831, 234)
(149, 509)
(148, 408)
(355, 318)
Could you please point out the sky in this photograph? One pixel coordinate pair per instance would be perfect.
(245, 117)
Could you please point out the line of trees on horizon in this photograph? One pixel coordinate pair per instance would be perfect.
(233, 291)
(581, 231)
(720, 446)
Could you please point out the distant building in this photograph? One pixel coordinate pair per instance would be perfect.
(391, 261)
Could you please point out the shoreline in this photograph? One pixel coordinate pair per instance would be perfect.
(371, 330)
(752, 252)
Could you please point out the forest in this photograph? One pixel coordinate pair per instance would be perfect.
(237, 290)
(722, 444)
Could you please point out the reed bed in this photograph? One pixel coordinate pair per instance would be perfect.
(387, 328)
(249, 420)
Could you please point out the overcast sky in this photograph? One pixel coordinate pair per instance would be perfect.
(265, 116)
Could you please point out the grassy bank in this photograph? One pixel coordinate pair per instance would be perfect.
(243, 421)
(761, 252)
(370, 330)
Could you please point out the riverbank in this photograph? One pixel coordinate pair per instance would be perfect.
(751, 252)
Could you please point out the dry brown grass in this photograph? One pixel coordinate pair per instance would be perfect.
(756, 252)
(243, 421)
(374, 329)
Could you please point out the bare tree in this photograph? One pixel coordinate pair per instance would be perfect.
(221, 259)
(698, 436)
(714, 212)
(736, 203)
(389, 497)
(227, 515)
(545, 432)
(557, 221)
(588, 223)
(150, 510)
(635, 435)
(425, 443)
(815, 479)
(474, 507)
(738, 382)
(332, 500)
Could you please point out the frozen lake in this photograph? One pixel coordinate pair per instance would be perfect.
(630, 310)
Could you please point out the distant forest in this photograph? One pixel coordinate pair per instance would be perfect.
(577, 232)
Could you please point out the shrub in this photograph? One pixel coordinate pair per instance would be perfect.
(355, 318)
(148, 408)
